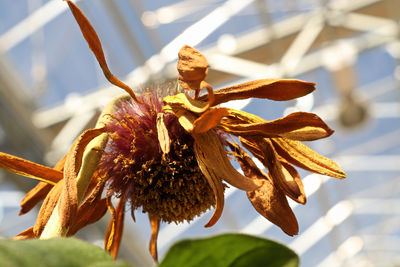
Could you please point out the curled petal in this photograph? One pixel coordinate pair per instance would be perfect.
(215, 184)
(68, 203)
(91, 210)
(286, 178)
(268, 200)
(29, 169)
(47, 208)
(274, 89)
(209, 120)
(185, 102)
(209, 148)
(301, 155)
(155, 227)
(192, 68)
(114, 230)
(302, 126)
(94, 43)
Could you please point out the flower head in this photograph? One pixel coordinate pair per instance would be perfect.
(169, 156)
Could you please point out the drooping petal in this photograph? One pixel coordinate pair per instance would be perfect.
(47, 208)
(192, 68)
(208, 147)
(94, 43)
(209, 119)
(162, 133)
(301, 155)
(268, 200)
(68, 203)
(29, 169)
(274, 89)
(286, 179)
(215, 184)
(26, 234)
(114, 230)
(34, 196)
(155, 227)
(91, 210)
(302, 126)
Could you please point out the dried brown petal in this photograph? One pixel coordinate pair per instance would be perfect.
(183, 101)
(114, 230)
(208, 147)
(215, 184)
(281, 176)
(68, 203)
(301, 155)
(274, 89)
(47, 208)
(300, 126)
(155, 227)
(34, 196)
(29, 169)
(209, 120)
(268, 200)
(91, 210)
(162, 133)
(94, 43)
(192, 68)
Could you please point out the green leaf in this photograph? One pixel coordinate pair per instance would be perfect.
(230, 250)
(57, 252)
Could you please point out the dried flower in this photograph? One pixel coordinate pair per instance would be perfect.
(169, 156)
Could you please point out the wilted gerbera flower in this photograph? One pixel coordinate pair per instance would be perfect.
(169, 156)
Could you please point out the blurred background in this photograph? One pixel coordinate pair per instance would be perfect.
(51, 89)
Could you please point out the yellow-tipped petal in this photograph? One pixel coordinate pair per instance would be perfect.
(301, 155)
(215, 184)
(162, 133)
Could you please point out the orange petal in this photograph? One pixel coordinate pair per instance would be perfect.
(155, 227)
(91, 210)
(209, 120)
(301, 155)
(274, 89)
(47, 208)
(29, 169)
(268, 200)
(208, 147)
(162, 133)
(114, 230)
(300, 126)
(215, 184)
(192, 68)
(26, 234)
(34, 196)
(94, 43)
(68, 202)
(281, 176)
